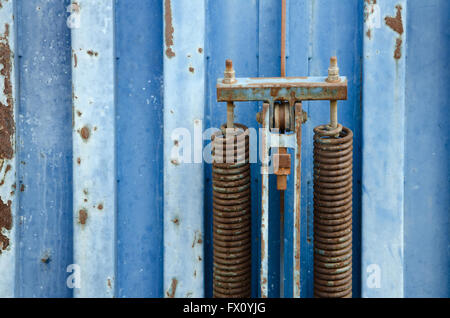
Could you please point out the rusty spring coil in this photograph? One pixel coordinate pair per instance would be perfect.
(333, 165)
(231, 213)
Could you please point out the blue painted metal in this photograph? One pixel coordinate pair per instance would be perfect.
(139, 148)
(44, 149)
(94, 165)
(184, 86)
(413, 220)
(427, 151)
(384, 146)
(8, 163)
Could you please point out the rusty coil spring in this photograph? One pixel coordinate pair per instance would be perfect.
(231, 213)
(333, 164)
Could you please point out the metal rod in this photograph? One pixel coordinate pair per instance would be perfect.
(283, 38)
(297, 199)
(333, 114)
(282, 150)
(230, 115)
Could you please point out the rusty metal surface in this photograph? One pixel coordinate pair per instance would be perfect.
(293, 89)
(8, 202)
(231, 213)
(333, 172)
(403, 162)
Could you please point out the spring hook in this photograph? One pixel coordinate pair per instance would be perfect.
(333, 165)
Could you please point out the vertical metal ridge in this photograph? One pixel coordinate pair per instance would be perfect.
(8, 158)
(44, 150)
(184, 89)
(94, 167)
(139, 114)
(383, 150)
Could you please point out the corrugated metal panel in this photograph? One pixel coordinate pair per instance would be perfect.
(44, 149)
(139, 124)
(148, 67)
(427, 151)
(94, 164)
(384, 139)
(184, 85)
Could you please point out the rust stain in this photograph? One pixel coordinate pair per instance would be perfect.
(274, 91)
(100, 206)
(396, 24)
(82, 216)
(75, 61)
(200, 50)
(79, 113)
(7, 124)
(85, 133)
(369, 33)
(176, 221)
(79, 160)
(22, 187)
(92, 53)
(168, 29)
(109, 283)
(398, 48)
(173, 288)
(5, 223)
(46, 259)
(8, 167)
(191, 69)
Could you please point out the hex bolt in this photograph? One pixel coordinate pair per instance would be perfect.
(229, 74)
(333, 71)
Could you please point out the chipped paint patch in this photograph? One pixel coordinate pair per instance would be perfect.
(5, 224)
(85, 133)
(372, 19)
(168, 30)
(172, 289)
(8, 168)
(82, 216)
(7, 125)
(396, 24)
(92, 53)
